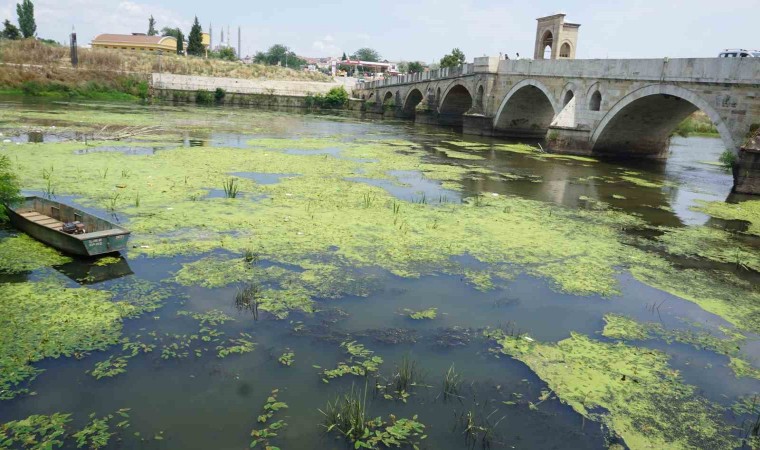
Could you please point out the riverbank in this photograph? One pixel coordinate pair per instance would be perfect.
(30, 67)
(697, 124)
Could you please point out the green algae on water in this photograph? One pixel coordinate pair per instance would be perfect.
(633, 390)
(21, 253)
(46, 320)
(748, 211)
(624, 328)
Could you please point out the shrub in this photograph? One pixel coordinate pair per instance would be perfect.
(728, 159)
(9, 189)
(336, 97)
(219, 95)
(203, 97)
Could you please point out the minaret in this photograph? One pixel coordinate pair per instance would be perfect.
(221, 43)
(239, 54)
(210, 37)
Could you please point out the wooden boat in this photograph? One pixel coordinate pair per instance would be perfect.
(44, 220)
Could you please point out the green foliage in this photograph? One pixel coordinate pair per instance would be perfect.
(361, 362)
(225, 53)
(173, 32)
(219, 94)
(430, 313)
(279, 54)
(335, 98)
(262, 436)
(42, 432)
(195, 40)
(696, 124)
(96, 434)
(455, 59)
(287, 358)
(36, 432)
(347, 415)
(231, 188)
(416, 67)
(727, 159)
(152, 26)
(366, 54)
(204, 97)
(10, 31)
(9, 187)
(25, 12)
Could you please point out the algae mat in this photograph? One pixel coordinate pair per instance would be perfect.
(289, 249)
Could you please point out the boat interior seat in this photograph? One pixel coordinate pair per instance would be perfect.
(43, 220)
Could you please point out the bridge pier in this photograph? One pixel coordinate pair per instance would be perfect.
(747, 170)
(477, 124)
(571, 141)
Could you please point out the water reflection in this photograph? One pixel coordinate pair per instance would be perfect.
(87, 271)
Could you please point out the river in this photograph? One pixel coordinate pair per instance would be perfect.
(582, 303)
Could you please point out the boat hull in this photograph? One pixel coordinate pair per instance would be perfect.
(90, 244)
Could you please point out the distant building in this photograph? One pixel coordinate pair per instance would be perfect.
(136, 42)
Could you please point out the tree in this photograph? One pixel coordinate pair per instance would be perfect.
(173, 32)
(416, 67)
(343, 58)
(227, 53)
(195, 40)
(152, 26)
(180, 42)
(455, 59)
(10, 31)
(279, 54)
(366, 54)
(9, 189)
(25, 12)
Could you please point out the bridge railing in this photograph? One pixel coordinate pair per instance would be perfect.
(446, 72)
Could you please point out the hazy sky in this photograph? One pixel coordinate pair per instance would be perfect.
(422, 30)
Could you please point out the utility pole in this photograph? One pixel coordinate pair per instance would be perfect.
(74, 55)
(240, 55)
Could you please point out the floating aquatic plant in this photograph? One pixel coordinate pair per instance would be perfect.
(348, 415)
(361, 362)
(287, 358)
(429, 314)
(271, 407)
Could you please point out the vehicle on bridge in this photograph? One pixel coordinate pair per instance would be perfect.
(739, 53)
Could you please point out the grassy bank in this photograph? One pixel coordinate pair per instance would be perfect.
(697, 124)
(34, 68)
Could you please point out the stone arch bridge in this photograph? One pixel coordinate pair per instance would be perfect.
(624, 108)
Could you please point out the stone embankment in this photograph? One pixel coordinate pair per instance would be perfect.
(276, 93)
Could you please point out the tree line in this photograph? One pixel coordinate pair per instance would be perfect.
(27, 27)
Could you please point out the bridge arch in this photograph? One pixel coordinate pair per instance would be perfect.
(387, 97)
(413, 98)
(456, 101)
(641, 123)
(528, 109)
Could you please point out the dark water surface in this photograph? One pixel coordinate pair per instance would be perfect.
(207, 402)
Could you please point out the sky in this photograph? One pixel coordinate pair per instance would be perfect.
(421, 30)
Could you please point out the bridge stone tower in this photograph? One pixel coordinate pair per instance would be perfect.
(560, 37)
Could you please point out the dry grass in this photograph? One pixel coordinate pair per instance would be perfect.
(33, 52)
